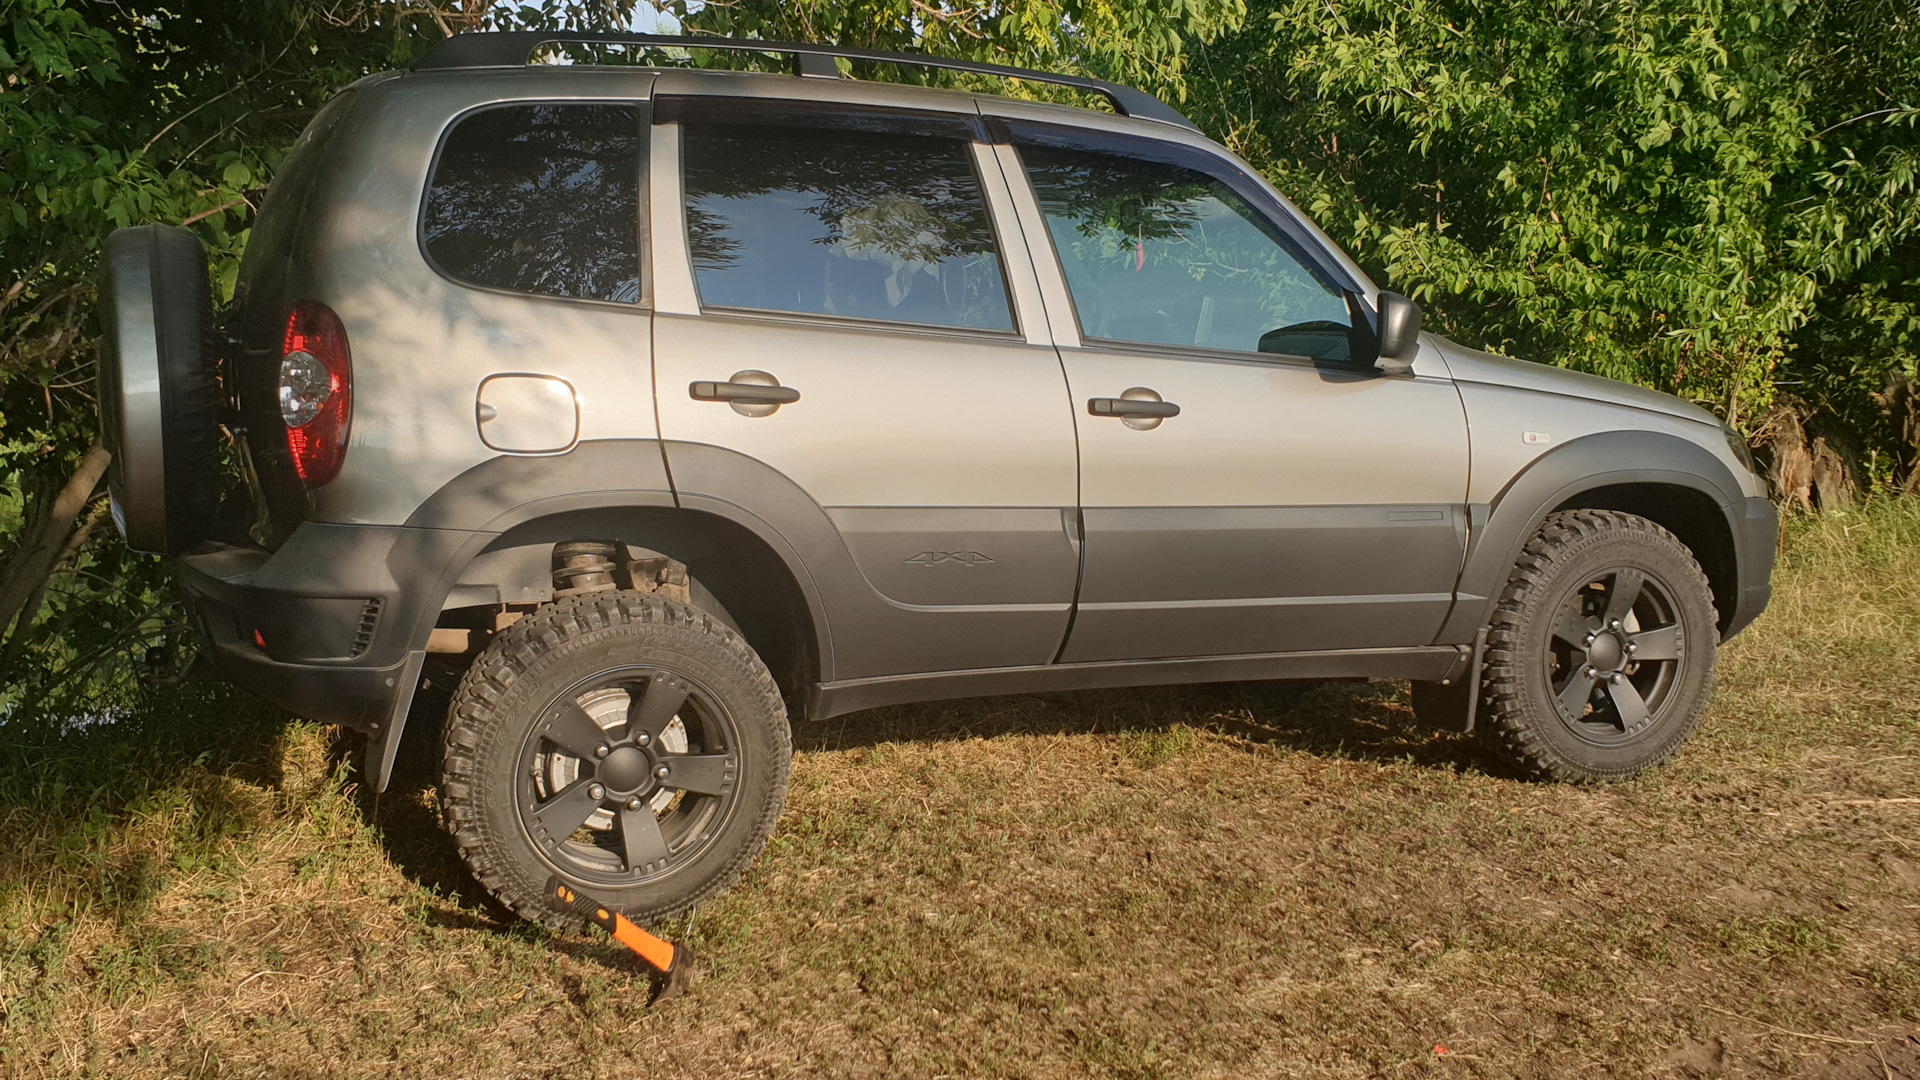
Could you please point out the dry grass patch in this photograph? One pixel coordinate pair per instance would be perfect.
(1224, 881)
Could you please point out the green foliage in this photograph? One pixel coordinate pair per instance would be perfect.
(112, 115)
(1711, 197)
(1142, 42)
(1796, 936)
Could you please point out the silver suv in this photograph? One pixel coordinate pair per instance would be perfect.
(656, 407)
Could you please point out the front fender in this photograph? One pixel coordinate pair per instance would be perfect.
(1499, 530)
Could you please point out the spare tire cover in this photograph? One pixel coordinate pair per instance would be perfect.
(159, 392)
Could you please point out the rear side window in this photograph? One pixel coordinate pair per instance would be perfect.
(843, 223)
(540, 198)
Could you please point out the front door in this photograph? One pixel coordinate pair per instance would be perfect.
(1242, 490)
(847, 319)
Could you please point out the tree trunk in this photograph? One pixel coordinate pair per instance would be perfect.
(44, 543)
(17, 644)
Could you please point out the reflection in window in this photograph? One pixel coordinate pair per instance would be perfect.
(1163, 255)
(541, 199)
(852, 224)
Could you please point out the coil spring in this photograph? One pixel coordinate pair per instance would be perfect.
(583, 566)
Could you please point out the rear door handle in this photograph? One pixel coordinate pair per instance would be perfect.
(749, 393)
(1126, 407)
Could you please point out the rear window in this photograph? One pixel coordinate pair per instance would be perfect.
(540, 198)
(849, 224)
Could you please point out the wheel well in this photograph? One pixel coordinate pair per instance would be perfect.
(1689, 515)
(747, 579)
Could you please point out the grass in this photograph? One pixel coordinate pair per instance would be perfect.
(1221, 881)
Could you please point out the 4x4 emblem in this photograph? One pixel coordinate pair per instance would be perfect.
(936, 558)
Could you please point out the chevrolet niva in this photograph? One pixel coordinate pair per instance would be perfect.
(657, 407)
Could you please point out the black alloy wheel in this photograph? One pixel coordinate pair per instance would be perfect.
(1600, 657)
(628, 776)
(1616, 657)
(633, 745)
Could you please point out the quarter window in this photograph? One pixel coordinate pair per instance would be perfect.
(1159, 254)
(843, 223)
(541, 198)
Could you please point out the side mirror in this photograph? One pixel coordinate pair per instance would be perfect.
(1399, 332)
(1387, 341)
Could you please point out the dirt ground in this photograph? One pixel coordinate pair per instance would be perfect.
(1220, 881)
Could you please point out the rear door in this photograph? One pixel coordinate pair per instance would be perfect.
(834, 302)
(1292, 503)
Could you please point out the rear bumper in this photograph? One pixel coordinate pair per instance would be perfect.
(326, 626)
(1756, 534)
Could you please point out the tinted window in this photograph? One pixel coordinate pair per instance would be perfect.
(1160, 254)
(541, 199)
(852, 224)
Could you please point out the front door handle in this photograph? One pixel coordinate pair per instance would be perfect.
(751, 393)
(1137, 407)
(1113, 406)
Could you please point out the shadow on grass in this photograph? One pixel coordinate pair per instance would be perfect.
(96, 813)
(407, 816)
(99, 816)
(1350, 720)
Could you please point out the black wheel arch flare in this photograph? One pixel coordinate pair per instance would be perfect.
(1676, 483)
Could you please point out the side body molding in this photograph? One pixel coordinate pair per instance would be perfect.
(1607, 460)
(872, 635)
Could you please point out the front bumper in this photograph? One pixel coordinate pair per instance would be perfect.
(1756, 532)
(326, 627)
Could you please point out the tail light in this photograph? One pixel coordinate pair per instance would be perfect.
(316, 391)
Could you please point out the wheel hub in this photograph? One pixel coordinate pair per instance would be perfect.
(626, 770)
(1605, 652)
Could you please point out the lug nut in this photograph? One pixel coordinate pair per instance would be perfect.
(643, 738)
(1631, 647)
(1591, 673)
(1614, 678)
(1615, 624)
(660, 773)
(1590, 638)
(634, 803)
(597, 791)
(601, 750)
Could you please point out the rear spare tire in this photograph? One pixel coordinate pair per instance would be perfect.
(159, 392)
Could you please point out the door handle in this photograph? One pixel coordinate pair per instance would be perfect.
(746, 392)
(1124, 407)
(1137, 407)
(751, 393)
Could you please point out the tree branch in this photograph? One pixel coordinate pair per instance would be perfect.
(31, 609)
(42, 544)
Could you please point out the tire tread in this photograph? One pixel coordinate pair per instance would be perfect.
(1505, 724)
(473, 717)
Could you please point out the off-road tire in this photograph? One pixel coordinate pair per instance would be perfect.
(1519, 718)
(530, 666)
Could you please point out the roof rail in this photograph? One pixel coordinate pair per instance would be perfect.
(513, 48)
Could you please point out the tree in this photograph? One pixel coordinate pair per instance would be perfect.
(119, 114)
(1670, 193)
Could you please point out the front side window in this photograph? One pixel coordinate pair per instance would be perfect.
(1159, 254)
(540, 198)
(843, 223)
